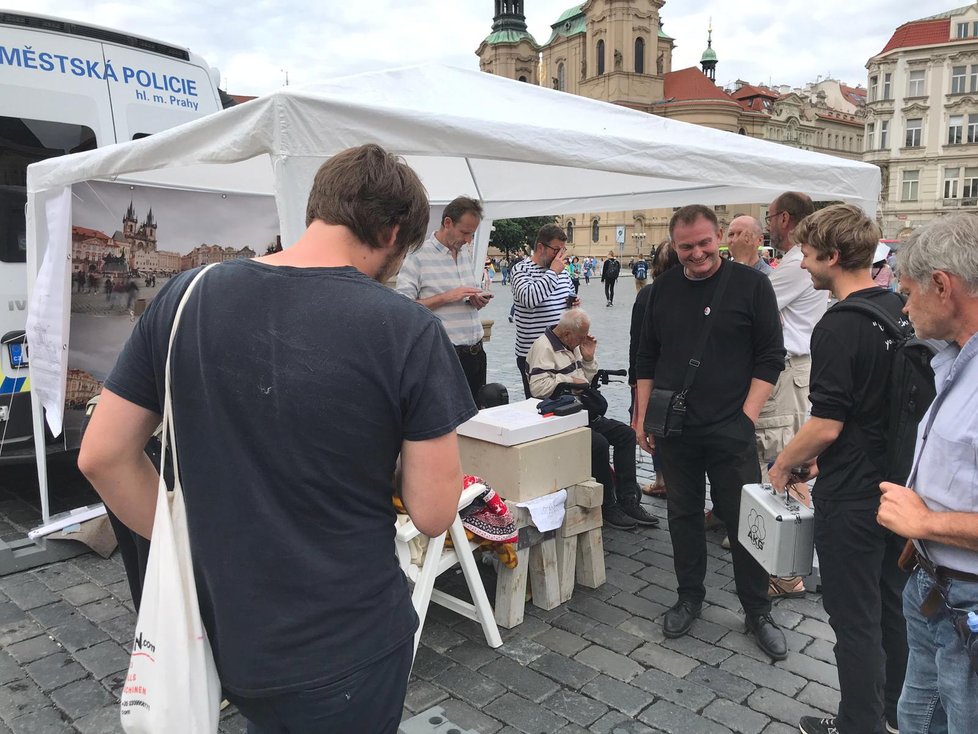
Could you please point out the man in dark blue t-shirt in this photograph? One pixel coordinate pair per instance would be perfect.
(298, 380)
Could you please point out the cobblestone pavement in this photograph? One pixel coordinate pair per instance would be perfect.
(598, 663)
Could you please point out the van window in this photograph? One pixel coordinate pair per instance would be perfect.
(23, 142)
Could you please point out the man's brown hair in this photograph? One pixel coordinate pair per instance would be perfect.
(841, 228)
(370, 191)
(459, 207)
(548, 233)
(797, 204)
(690, 213)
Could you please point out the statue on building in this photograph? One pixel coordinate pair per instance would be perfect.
(618, 60)
(583, 69)
(660, 63)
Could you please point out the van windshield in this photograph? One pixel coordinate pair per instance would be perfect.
(23, 142)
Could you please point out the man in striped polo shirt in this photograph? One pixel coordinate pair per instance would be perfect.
(441, 276)
(542, 291)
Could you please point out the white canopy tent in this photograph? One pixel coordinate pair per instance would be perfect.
(522, 150)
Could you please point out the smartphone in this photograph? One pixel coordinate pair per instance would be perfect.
(486, 294)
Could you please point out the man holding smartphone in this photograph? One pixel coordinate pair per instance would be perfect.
(441, 276)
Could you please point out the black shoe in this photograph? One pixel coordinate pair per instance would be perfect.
(680, 618)
(814, 725)
(615, 517)
(640, 515)
(768, 635)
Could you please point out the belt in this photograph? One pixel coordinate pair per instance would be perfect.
(940, 573)
(473, 349)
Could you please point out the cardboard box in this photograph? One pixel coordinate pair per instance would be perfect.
(777, 530)
(532, 469)
(508, 425)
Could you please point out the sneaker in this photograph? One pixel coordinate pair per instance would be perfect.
(615, 517)
(814, 725)
(640, 515)
(725, 543)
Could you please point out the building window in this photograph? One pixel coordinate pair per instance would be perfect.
(970, 188)
(522, 78)
(884, 134)
(951, 183)
(595, 232)
(870, 134)
(959, 76)
(915, 85)
(972, 129)
(873, 86)
(910, 181)
(955, 128)
(887, 86)
(569, 230)
(561, 79)
(599, 52)
(639, 55)
(914, 132)
(961, 30)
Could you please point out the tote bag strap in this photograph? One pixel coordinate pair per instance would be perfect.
(168, 439)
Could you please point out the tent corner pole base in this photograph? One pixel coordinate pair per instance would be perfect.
(23, 554)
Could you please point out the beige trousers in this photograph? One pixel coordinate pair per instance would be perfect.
(784, 412)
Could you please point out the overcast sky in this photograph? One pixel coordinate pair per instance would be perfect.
(255, 43)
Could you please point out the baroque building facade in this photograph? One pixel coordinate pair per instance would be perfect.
(617, 51)
(922, 120)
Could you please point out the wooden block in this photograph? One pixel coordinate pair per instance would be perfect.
(511, 592)
(590, 570)
(578, 520)
(585, 494)
(544, 577)
(566, 563)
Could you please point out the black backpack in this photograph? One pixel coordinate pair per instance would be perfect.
(911, 389)
(614, 268)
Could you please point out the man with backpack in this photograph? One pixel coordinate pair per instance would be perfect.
(853, 355)
(609, 276)
(640, 269)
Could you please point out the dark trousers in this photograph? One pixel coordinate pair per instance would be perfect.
(369, 700)
(728, 456)
(609, 289)
(474, 367)
(525, 375)
(862, 590)
(605, 433)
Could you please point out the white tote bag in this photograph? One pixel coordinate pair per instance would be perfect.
(172, 684)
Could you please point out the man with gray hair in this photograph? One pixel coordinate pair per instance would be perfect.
(564, 355)
(744, 238)
(939, 274)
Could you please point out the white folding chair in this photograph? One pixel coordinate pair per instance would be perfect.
(436, 560)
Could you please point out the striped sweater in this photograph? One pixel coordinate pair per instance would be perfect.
(540, 297)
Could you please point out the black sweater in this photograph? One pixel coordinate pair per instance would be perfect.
(745, 343)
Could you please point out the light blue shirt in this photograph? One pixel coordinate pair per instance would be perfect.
(947, 470)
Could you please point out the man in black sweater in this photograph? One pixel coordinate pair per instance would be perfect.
(861, 582)
(738, 368)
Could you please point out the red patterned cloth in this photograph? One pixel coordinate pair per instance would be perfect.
(487, 516)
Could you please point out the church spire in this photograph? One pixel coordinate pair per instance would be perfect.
(509, 16)
(709, 58)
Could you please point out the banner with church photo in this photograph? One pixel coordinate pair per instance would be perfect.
(126, 243)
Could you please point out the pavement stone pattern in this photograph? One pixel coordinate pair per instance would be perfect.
(596, 664)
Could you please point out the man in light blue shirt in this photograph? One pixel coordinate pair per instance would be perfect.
(939, 273)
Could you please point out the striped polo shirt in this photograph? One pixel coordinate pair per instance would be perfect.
(431, 270)
(540, 296)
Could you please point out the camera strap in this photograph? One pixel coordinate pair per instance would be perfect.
(708, 313)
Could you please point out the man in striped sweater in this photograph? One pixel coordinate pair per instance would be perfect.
(542, 291)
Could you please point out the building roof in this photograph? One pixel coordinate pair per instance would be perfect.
(569, 13)
(86, 233)
(509, 35)
(571, 22)
(855, 95)
(691, 84)
(919, 33)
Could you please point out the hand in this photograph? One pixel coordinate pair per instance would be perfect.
(779, 476)
(751, 415)
(559, 262)
(460, 293)
(576, 303)
(588, 347)
(646, 441)
(902, 511)
(479, 300)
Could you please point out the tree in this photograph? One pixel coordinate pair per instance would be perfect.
(516, 235)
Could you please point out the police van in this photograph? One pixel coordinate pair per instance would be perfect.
(66, 87)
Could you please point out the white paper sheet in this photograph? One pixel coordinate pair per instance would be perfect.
(547, 511)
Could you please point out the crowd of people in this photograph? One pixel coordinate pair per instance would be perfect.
(741, 373)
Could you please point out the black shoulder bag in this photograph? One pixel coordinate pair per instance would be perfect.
(666, 410)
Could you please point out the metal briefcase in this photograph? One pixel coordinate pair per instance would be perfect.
(777, 530)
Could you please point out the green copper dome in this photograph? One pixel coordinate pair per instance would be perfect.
(708, 55)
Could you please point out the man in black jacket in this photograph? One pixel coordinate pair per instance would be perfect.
(609, 276)
(861, 583)
(738, 368)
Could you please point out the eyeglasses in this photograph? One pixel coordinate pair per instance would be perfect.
(556, 249)
(770, 215)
